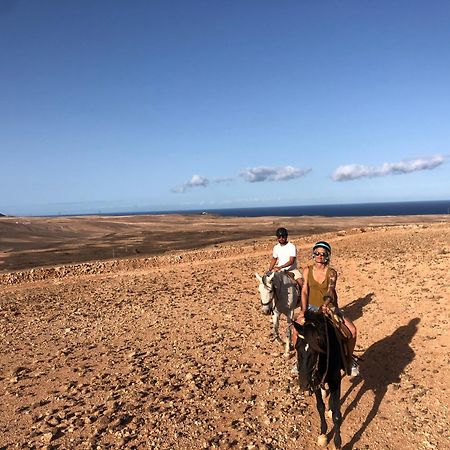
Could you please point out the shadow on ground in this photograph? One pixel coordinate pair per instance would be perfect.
(354, 310)
(384, 362)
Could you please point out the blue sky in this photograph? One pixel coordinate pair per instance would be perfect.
(162, 105)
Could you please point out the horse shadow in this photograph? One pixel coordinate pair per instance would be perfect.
(384, 362)
(354, 309)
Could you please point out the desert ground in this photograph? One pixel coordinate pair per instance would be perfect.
(146, 332)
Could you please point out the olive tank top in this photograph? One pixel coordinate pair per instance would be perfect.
(317, 290)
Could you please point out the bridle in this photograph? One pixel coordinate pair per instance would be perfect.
(270, 290)
(272, 298)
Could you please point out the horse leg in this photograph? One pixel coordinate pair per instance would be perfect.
(287, 344)
(276, 324)
(325, 396)
(335, 403)
(322, 439)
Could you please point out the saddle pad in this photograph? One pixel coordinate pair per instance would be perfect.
(338, 322)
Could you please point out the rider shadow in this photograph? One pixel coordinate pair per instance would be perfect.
(354, 310)
(384, 362)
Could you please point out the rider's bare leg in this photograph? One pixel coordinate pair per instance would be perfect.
(352, 341)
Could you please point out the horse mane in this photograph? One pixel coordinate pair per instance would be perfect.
(314, 332)
(280, 278)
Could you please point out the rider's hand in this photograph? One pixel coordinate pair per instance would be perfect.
(301, 318)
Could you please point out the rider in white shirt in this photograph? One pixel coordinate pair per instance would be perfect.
(284, 257)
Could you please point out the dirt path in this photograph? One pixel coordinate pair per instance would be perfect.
(179, 355)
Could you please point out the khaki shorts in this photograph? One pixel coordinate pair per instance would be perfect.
(297, 274)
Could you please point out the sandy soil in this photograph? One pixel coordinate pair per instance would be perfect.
(177, 355)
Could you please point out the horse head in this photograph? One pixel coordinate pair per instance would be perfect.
(311, 353)
(266, 293)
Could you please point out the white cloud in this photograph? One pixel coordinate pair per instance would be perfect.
(355, 171)
(195, 181)
(258, 174)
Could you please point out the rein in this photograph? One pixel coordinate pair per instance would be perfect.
(271, 298)
(328, 356)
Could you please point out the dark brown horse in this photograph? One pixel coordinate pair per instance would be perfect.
(320, 362)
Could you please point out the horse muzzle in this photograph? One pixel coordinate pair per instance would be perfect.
(303, 383)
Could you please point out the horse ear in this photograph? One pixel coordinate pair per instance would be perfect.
(258, 277)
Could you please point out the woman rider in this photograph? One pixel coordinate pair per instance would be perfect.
(319, 289)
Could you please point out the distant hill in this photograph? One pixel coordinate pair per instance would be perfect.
(2, 215)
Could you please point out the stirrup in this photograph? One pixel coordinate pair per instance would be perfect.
(354, 368)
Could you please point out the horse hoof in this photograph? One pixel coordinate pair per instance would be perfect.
(322, 440)
(325, 393)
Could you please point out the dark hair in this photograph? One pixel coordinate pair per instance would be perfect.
(281, 232)
(322, 244)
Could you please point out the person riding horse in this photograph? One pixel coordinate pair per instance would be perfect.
(319, 291)
(284, 257)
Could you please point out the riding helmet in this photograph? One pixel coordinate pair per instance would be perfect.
(322, 244)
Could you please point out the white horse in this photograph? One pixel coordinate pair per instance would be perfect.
(278, 293)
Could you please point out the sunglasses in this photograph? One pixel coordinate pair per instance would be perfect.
(320, 254)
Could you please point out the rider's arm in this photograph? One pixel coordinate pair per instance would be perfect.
(272, 263)
(305, 291)
(288, 264)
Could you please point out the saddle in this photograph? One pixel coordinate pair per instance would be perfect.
(292, 276)
(343, 335)
(335, 318)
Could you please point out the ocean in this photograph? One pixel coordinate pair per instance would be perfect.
(344, 210)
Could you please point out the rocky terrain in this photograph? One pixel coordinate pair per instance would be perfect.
(172, 351)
